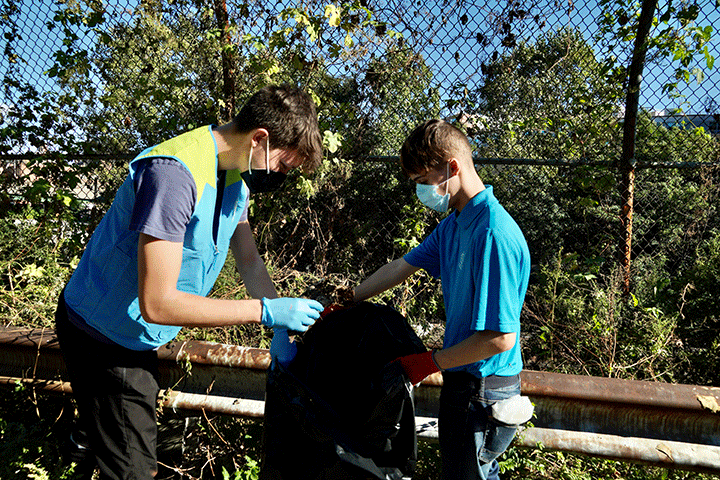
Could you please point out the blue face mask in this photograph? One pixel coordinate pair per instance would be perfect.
(259, 180)
(428, 195)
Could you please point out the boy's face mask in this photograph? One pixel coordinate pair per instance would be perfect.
(262, 180)
(428, 195)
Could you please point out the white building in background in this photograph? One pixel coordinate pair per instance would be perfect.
(709, 122)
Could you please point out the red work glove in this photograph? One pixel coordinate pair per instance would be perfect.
(334, 307)
(419, 365)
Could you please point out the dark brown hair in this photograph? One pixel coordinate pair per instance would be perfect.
(288, 114)
(432, 144)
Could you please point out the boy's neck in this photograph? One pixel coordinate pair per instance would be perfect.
(469, 187)
(232, 146)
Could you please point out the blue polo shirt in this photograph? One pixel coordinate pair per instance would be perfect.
(483, 261)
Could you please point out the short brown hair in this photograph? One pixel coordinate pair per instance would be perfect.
(432, 144)
(288, 114)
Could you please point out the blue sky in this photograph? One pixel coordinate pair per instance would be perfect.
(42, 42)
(582, 15)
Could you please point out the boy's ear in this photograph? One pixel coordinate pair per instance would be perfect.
(259, 134)
(454, 165)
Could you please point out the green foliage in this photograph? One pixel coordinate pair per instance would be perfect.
(401, 79)
(346, 221)
(551, 202)
(158, 55)
(704, 275)
(578, 323)
(51, 208)
(546, 99)
(31, 436)
(164, 68)
(33, 271)
(429, 464)
(682, 143)
(675, 34)
(37, 122)
(699, 308)
(251, 471)
(414, 225)
(225, 447)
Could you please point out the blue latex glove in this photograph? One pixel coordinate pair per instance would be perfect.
(290, 313)
(282, 350)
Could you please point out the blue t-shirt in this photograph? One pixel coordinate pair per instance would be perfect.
(483, 261)
(165, 199)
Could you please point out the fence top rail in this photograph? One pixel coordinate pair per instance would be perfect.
(556, 162)
(33, 156)
(562, 162)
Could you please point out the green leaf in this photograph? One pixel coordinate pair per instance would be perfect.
(312, 31)
(699, 74)
(332, 140)
(332, 13)
(709, 59)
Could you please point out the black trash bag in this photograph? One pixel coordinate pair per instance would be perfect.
(343, 409)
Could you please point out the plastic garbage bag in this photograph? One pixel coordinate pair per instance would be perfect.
(342, 408)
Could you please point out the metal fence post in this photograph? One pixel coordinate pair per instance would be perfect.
(627, 160)
(228, 60)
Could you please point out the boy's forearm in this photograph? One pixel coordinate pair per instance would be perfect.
(479, 346)
(187, 310)
(250, 265)
(257, 279)
(384, 278)
(368, 288)
(160, 301)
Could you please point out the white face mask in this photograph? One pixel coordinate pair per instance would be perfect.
(428, 195)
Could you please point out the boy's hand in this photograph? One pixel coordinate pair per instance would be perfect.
(345, 299)
(418, 366)
(295, 314)
(345, 296)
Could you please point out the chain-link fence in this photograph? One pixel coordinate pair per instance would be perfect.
(596, 123)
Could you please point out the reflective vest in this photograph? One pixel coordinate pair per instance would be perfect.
(103, 289)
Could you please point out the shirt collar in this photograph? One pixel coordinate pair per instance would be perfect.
(474, 207)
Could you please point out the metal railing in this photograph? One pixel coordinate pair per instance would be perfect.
(668, 425)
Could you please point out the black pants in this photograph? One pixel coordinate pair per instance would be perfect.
(116, 392)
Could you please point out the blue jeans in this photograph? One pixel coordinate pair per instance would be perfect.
(470, 439)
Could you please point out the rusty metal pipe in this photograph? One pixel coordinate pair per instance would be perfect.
(47, 386)
(216, 354)
(632, 420)
(193, 402)
(536, 384)
(692, 457)
(614, 390)
(177, 401)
